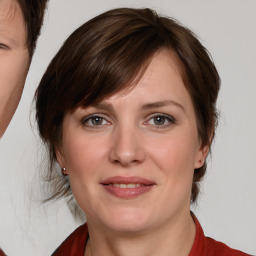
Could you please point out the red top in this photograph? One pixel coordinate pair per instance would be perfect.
(203, 246)
(2, 253)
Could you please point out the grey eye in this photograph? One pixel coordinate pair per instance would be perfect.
(159, 120)
(97, 120)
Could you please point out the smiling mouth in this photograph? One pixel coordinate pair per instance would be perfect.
(130, 185)
(127, 187)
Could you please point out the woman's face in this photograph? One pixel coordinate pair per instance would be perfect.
(14, 59)
(131, 158)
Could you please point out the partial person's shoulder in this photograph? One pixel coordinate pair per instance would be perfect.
(206, 246)
(2, 253)
(74, 244)
(217, 248)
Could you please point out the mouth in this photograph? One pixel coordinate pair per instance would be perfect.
(130, 185)
(127, 187)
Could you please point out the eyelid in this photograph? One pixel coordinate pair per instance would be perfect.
(4, 46)
(85, 119)
(170, 118)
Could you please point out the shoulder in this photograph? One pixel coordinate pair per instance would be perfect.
(214, 247)
(2, 253)
(74, 244)
(206, 246)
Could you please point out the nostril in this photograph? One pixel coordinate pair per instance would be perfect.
(126, 150)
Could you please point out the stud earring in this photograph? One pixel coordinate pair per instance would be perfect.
(64, 172)
(201, 161)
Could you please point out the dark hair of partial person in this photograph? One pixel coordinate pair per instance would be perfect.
(110, 53)
(33, 14)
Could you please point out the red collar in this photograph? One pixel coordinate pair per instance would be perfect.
(206, 246)
(198, 245)
(202, 246)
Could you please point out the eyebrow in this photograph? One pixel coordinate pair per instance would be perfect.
(153, 105)
(160, 104)
(103, 106)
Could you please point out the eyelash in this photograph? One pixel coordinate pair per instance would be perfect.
(4, 47)
(88, 121)
(85, 121)
(167, 118)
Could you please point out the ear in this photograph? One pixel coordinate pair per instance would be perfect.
(60, 157)
(201, 156)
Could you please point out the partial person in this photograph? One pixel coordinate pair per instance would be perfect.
(127, 108)
(20, 24)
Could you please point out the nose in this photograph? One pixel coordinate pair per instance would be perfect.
(127, 147)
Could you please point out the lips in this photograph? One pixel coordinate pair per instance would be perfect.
(127, 187)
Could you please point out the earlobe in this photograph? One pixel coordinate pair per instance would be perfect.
(201, 156)
(60, 158)
(61, 162)
(64, 171)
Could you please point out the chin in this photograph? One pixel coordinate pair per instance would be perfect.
(128, 221)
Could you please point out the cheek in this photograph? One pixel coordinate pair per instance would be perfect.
(21, 68)
(84, 161)
(83, 155)
(175, 159)
(14, 68)
(175, 153)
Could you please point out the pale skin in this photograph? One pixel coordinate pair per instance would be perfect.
(14, 60)
(149, 132)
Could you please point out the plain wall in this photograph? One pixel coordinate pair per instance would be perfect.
(227, 205)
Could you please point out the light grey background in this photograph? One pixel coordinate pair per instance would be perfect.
(227, 205)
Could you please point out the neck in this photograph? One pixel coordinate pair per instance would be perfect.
(175, 237)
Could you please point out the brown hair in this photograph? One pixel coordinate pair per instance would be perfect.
(104, 56)
(33, 13)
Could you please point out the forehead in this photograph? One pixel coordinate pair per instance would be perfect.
(164, 68)
(160, 83)
(8, 10)
(12, 25)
